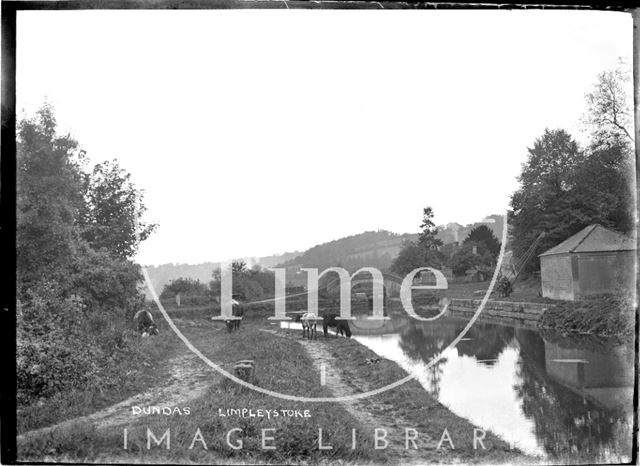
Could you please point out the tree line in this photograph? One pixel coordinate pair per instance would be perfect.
(78, 228)
(248, 284)
(564, 187)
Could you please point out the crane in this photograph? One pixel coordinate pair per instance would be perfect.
(507, 280)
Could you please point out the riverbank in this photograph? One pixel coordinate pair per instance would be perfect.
(604, 316)
(126, 374)
(303, 432)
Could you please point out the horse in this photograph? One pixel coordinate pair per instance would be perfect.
(145, 323)
(309, 324)
(342, 326)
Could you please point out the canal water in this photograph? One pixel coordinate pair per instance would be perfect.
(556, 397)
(549, 395)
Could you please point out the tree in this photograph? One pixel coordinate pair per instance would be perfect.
(604, 185)
(424, 252)
(427, 237)
(609, 110)
(74, 302)
(412, 256)
(483, 235)
(542, 203)
(465, 258)
(114, 218)
(564, 189)
(184, 286)
(238, 267)
(50, 198)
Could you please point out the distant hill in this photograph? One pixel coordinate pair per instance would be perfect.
(368, 249)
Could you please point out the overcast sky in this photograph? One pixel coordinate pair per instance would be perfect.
(258, 132)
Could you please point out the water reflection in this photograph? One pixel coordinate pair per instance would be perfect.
(570, 400)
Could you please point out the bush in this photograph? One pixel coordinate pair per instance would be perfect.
(52, 351)
(604, 315)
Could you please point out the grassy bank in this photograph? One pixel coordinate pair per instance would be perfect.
(282, 365)
(605, 316)
(126, 374)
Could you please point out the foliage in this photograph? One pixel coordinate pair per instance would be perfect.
(248, 284)
(464, 259)
(75, 294)
(412, 256)
(427, 238)
(50, 199)
(423, 253)
(483, 235)
(114, 216)
(238, 267)
(185, 287)
(352, 252)
(606, 315)
(609, 108)
(564, 189)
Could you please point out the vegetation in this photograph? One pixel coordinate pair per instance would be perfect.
(482, 235)
(281, 365)
(185, 287)
(421, 253)
(248, 285)
(605, 316)
(564, 188)
(609, 110)
(77, 287)
(368, 249)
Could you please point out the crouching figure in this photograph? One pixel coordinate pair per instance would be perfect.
(145, 323)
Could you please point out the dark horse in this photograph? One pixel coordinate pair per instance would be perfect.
(342, 326)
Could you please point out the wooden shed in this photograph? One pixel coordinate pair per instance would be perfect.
(593, 261)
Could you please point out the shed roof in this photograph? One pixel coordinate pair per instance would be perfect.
(594, 238)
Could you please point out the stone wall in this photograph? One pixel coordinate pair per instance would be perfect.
(509, 312)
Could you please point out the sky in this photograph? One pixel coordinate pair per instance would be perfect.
(255, 132)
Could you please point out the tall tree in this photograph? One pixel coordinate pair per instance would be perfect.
(75, 302)
(482, 234)
(114, 219)
(542, 203)
(50, 198)
(428, 231)
(564, 189)
(609, 107)
(424, 252)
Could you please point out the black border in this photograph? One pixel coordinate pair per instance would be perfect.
(8, 451)
(8, 235)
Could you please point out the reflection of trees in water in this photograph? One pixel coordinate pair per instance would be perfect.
(423, 342)
(486, 342)
(566, 424)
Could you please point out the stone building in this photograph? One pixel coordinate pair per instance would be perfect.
(593, 261)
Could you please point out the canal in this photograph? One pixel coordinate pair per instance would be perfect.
(549, 395)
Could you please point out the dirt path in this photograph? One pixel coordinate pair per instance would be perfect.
(369, 411)
(187, 380)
